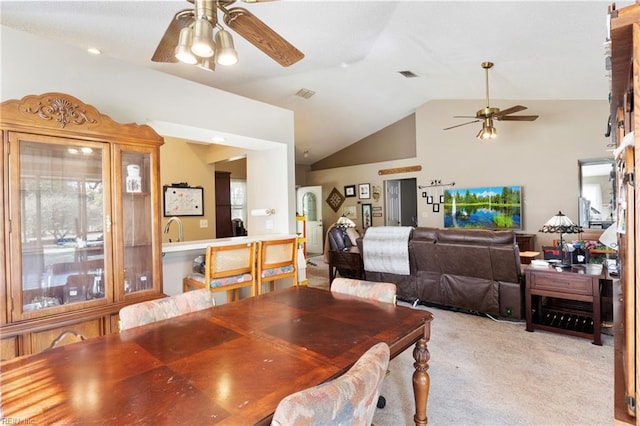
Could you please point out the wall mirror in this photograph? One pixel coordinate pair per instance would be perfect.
(596, 204)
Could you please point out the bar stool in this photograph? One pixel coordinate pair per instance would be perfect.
(277, 260)
(227, 268)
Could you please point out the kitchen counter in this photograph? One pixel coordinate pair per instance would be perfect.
(202, 244)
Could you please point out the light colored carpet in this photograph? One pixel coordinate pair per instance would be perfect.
(485, 372)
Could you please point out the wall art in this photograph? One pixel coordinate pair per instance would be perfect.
(497, 207)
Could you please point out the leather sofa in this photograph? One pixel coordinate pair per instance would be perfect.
(471, 269)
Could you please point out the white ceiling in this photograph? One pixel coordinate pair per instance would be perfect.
(354, 50)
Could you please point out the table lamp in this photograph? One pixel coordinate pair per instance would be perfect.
(343, 223)
(561, 224)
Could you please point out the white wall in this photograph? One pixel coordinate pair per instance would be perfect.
(541, 156)
(33, 65)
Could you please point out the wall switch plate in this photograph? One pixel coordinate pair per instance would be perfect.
(268, 224)
(204, 223)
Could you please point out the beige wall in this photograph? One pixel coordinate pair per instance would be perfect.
(237, 168)
(541, 156)
(394, 142)
(181, 161)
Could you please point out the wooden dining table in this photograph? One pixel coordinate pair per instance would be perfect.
(227, 365)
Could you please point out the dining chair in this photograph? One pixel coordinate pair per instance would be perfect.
(67, 338)
(347, 400)
(169, 307)
(227, 268)
(276, 260)
(380, 291)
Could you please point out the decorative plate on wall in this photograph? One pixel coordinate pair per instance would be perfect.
(335, 199)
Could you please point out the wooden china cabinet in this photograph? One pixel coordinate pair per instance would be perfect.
(624, 37)
(80, 220)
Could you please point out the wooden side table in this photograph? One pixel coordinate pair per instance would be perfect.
(563, 302)
(526, 256)
(349, 260)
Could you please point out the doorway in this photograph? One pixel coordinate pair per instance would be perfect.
(401, 202)
(309, 205)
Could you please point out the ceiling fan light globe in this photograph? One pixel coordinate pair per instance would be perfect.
(202, 43)
(226, 54)
(183, 50)
(227, 57)
(185, 56)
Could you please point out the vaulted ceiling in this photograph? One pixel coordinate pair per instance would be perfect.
(354, 51)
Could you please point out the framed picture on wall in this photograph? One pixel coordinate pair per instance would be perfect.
(183, 201)
(364, 191)
(350, 191)
(366, 216)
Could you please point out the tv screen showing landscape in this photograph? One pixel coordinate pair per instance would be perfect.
(498, 207)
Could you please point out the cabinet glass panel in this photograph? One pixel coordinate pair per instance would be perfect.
(138, 231)
(62, 206)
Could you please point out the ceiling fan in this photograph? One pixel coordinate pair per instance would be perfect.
(189, 36)
(488, 114)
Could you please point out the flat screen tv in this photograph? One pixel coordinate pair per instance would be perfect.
(496, 207)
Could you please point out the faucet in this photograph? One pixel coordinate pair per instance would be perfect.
(180, 228)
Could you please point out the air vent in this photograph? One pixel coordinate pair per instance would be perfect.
(305, 93)
(408, 74)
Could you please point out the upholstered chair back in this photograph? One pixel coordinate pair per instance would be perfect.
(382, 292)
(348, 400)
(160, 309)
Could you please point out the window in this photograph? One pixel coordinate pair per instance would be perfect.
(239, 199)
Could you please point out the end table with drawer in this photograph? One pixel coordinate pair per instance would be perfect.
(349, 260)
(566, 302)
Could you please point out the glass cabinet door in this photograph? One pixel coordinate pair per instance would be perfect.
(61, 203)
(138, 273)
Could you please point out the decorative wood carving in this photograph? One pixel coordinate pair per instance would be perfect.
(399, 170)
(66, 115)
(64, 111)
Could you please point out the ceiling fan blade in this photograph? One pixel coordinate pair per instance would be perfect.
(511, 110)
(261, 36)
(463, 124)
(517, 118)
(165, 52)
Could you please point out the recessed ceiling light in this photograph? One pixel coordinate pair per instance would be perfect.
(217, 139)
(94, 51)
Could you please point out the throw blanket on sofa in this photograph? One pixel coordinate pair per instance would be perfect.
(386, 249)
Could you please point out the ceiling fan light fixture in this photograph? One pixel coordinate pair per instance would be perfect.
(488, 131)
(202, 42)
(226, 53)
(206, 64)
(183, 49)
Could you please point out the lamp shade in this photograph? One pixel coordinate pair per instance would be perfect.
(183, 49)
(226, 53)
(202, 42)
(560, 223)
(345, 222)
